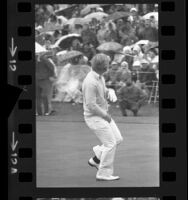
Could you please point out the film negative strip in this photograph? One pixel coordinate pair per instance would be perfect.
(48, 154)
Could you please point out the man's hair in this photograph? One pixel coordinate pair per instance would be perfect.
(99, 62)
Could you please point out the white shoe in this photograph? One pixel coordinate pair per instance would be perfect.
(92, 163)
(107, 178)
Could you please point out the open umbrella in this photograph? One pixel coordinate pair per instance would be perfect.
(67, 11)
(117, 15)
(88, 8)
(110, 47)
(148, 15)
(65, 41)
(150, 45)
(97, 15)
(39, 48)
(51, 27)
(70, 54)
(142, 42)
(74, 21)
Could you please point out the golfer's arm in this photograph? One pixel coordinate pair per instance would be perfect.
(90, 100)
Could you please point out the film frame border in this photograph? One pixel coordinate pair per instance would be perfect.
(171, 151)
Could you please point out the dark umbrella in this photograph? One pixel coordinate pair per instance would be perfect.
(70, 54)
(67, 12)
(117, 15)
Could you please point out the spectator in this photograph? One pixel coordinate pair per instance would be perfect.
(101, 34)
(111, 76)
(149, 33)
(147, 74)
(111, 34)
(131, 98)
(88, 36)
(45, 75)
(124, 74)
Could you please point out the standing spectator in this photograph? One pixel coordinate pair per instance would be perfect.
(45, 75)
(88, 36)
(111, 34)
(111, 76)
(101, 34)
(149, 33)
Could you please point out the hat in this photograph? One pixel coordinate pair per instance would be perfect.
(124, 63)
(99, 9)
(127, 49)
(133, 9)
(136, 63)
(144, 61)
(114, 63)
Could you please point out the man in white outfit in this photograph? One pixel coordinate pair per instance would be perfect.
(96, 116)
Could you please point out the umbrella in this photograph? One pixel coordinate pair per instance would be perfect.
(39, 48)
(118, 15)
(148, 15)
(97, 15)
(110, 46)
(70, 54)
(66, 11)
(142, 42)
(74, 21)
(65, 41)
(88, 8)
(150, 45)
(51, 27)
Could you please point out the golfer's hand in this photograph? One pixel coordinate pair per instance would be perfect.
(108, 118)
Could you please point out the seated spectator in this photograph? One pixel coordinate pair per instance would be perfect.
(131, 97)
(147, 74)
(138, 55)
(124, 74)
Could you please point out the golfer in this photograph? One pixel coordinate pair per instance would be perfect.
(97, 118)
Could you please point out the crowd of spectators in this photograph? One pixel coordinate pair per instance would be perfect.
(138, 59)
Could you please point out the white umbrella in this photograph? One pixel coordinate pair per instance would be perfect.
(148, 15)
(142, 42)
(72, 35)
(39, 48)
(97, 15)
(74, 21)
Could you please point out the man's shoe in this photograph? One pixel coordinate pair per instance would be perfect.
(107, 178)
(92, 163)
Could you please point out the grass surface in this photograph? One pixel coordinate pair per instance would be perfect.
(64, 145)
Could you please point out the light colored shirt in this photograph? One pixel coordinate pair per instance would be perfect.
(94, 95)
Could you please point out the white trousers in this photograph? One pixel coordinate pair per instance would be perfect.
(110, 136)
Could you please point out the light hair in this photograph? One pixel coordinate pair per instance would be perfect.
(99, 62)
